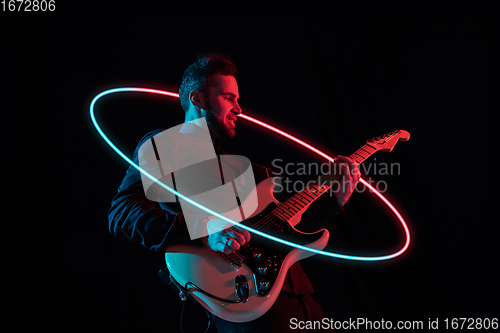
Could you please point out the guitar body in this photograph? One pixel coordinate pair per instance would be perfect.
(263, 265)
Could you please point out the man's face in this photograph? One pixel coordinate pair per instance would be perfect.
(222, 105)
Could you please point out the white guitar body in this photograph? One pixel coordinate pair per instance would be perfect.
(215, 275)
(212, 272)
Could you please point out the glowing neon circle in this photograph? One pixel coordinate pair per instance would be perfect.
(276, 130)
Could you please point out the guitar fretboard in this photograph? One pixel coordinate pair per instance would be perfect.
(299, 201)
(363, 153)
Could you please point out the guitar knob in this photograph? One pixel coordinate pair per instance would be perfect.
(262, 269)
(264, 284)
(256, 255)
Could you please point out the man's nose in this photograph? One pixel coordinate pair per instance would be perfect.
(237, 109)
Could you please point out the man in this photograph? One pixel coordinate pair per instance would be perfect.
(209, 89)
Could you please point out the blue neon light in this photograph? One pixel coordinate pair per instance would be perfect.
(170, 94)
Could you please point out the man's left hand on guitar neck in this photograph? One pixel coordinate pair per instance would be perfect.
(347, 172)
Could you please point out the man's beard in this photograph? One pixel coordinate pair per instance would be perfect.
(217, 125)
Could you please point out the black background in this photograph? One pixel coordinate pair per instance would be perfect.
(334, 83)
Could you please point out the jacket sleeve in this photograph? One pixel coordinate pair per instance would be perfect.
(133, 217)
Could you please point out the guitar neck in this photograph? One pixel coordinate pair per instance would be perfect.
(363, 153)
(299, 202)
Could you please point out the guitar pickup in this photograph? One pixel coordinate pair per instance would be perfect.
(235, 259)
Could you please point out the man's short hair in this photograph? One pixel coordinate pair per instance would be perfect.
(199, 76)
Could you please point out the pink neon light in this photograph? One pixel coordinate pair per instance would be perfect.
(155, 91)
(304, 144)
(322, 154)
(288, 136)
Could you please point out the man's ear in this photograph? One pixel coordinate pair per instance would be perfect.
(197, 99)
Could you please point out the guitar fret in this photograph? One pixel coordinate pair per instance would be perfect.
(299, 201)
(364, 152)
(286, 213)
(310, 196)
(358, 160)
(303, 200)
(360, 153)
(280, 215)
(314, 194)
(369, 149)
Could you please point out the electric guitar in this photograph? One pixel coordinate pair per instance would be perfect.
(243, 285)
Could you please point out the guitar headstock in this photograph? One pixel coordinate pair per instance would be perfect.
(387, 141)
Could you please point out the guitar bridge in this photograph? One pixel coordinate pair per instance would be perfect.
(235, 259)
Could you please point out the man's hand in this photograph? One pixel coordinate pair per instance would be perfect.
(225, 240)
(348, 174)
